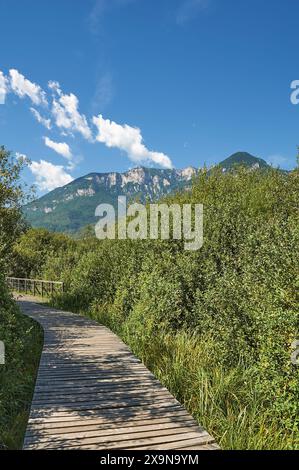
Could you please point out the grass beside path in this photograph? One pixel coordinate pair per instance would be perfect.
(23, 340)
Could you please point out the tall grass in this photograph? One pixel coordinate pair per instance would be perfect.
(23, 340)
(223, 400)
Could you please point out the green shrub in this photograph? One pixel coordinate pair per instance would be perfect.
(22, 337)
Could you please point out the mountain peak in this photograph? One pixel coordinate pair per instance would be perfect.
(245, 159)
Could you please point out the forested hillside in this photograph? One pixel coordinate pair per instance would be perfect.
(215, 325)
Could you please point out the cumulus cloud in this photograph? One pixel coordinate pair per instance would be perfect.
(66, 114)
(59, 147)
(49, 176)
(3, 87)
(54, 86)
(63, 113)
(45, 122)
(23, 87)
(129, 140)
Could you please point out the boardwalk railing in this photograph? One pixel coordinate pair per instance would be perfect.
(35, 286)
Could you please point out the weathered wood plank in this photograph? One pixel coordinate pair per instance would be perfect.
(164, 439)
(109, 415)
(90, 425)
(99, 434)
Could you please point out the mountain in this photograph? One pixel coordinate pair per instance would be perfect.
(244, 159)
(72, 207)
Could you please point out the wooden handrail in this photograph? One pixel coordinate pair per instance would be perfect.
(36, 280)
(35, 286)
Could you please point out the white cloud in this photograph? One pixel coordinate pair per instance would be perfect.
(45, 122)
(189, 9)
(66, 117)
(49, 176)
(66, 114)
(3, 87)
(128, 139)
(23, 87)
(54, 86)
(60, 147)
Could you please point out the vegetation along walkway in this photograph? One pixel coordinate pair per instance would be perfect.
(93, 393)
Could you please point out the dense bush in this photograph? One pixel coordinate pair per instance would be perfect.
(12, 196)
(22, 338)
(215, 325)
(33, 248)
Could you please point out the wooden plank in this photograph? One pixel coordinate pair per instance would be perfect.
(186, 441)
(108, 415)
(166, 439)
(93, 381)
(114, 389)
(93, 393)
(100, 396)
(94, 423)
(50, 409)
(99, 434)
(69, 389)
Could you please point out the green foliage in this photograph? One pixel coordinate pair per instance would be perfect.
(215, 325)
(32, 250)
(22, 338)
(11, 198)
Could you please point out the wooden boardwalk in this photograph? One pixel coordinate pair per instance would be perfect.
(92, 393)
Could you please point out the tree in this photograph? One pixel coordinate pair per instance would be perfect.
(32, 249)
(12, 196)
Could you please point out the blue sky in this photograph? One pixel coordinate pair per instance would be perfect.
(121, 83)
